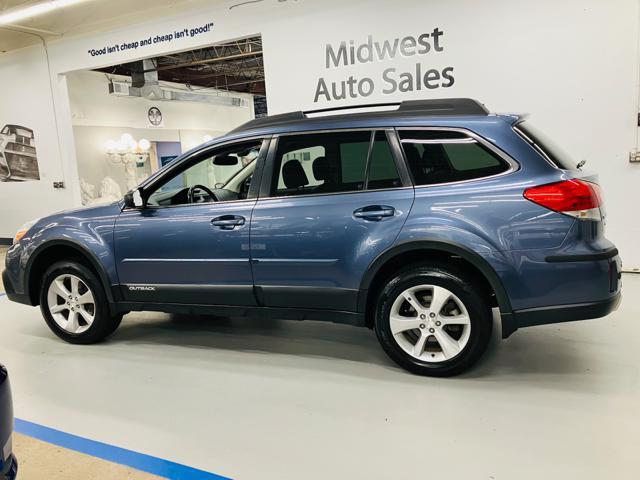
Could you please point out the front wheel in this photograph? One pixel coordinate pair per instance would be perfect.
(433, 320)
(74, 304)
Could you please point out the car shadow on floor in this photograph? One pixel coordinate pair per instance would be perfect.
(525, 354)
(287, 337)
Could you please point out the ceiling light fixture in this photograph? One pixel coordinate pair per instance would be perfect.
(14, 15)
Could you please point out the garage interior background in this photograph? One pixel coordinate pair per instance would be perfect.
(512, 56)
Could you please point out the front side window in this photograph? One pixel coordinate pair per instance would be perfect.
(436, 156)
(320, 163)
(213, 177)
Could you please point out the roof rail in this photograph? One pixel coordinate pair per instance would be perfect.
(434, 107)
(445, 106)
(353, 107)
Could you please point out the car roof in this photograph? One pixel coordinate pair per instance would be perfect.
(460, 112)
(405, 111)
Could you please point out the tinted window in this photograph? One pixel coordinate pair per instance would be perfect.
(447, 156)
(321, 163)
(383, 172)
(554, 154)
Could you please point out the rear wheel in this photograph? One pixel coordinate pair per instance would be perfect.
(74, 304)
(433, 320)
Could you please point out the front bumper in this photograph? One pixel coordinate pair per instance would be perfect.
(10, 470)
(10, 290)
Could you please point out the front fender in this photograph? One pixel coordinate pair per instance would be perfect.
(89, 232)
(100, 257)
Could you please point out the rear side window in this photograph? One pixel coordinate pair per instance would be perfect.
(321, 163)
(545, 146)
(436, 156)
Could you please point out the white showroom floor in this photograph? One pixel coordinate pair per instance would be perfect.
(258, 399)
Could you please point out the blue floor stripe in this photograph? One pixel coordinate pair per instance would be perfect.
(139, 461)
(2, 294)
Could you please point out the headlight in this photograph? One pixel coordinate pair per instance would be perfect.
(23, 230)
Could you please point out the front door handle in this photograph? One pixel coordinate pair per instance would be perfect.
(374, 212)
(228, 222)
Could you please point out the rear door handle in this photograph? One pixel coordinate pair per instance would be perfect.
(374, 212)
(228, 222)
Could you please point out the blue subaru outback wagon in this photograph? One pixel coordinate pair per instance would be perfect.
(414, 221)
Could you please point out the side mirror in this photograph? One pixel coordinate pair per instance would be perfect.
(219, 185)
(133, 199)
(225, 160)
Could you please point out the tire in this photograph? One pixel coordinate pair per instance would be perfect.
(84, 317)
(464, 316)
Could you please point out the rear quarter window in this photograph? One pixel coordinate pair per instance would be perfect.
(435, 156)
(545, 146)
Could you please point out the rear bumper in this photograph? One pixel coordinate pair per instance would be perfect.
(558, 314)
(10, 290)
(583, 257)
(10, 471)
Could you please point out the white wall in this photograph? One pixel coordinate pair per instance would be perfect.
(573, 65)
(25, 99)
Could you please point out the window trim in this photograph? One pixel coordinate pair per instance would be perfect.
(514, 166)
(268, 170)
(199, 155)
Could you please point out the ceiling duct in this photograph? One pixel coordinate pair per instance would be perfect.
(145, 84)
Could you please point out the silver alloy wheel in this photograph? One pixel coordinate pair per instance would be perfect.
(430, 323)
(71, 303)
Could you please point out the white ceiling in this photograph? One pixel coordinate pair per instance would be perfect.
(88, 15)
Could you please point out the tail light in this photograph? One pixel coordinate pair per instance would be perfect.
(574, 197)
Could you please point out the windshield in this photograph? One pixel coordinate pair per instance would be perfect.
(545, 146)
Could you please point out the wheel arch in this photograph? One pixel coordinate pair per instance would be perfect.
(391, 259)
(55, 250)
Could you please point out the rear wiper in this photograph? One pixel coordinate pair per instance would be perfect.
(581, 164)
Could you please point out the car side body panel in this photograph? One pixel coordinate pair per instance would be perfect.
(88, 230)
(311, 251)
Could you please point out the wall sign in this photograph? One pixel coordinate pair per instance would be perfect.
(155, 116)
(346, 54)
(128, 45)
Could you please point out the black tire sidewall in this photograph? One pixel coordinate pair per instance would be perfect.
(465, 289)
(103, 323)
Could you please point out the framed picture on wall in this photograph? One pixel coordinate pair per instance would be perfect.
(18, 160)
